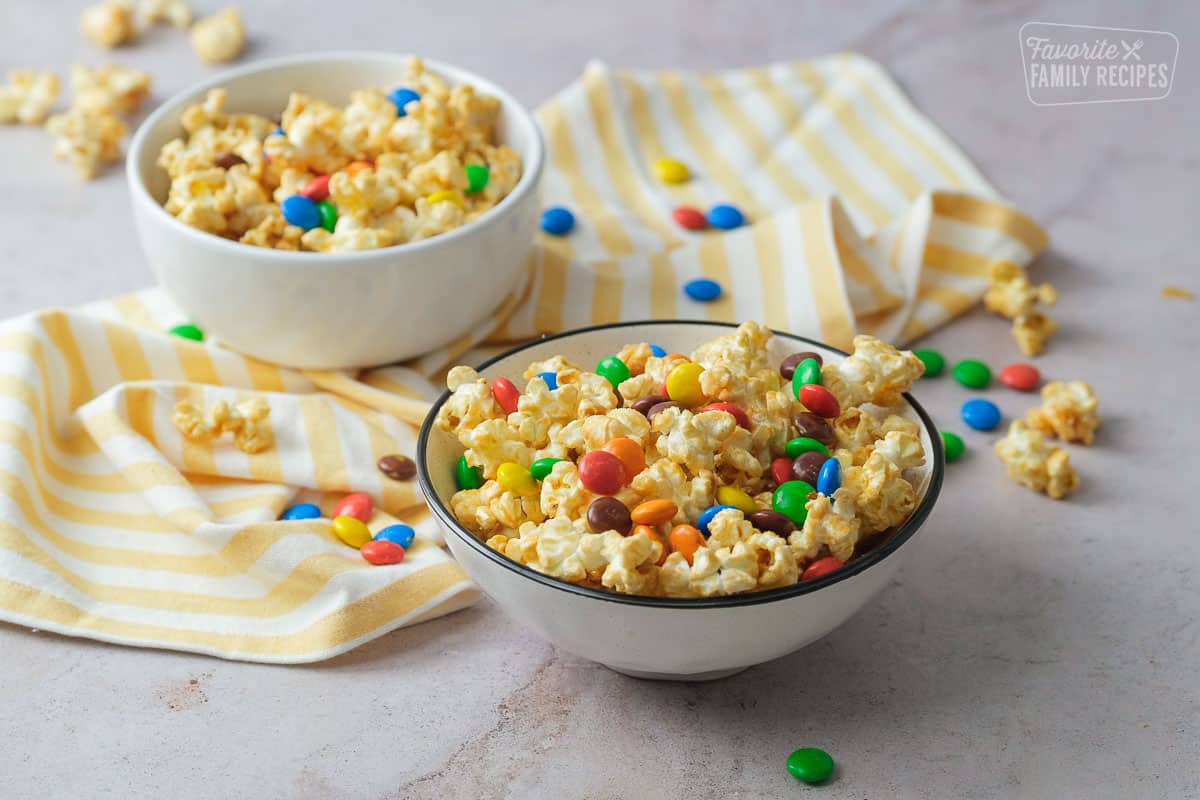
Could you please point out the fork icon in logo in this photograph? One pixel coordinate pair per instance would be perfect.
(1132, 49)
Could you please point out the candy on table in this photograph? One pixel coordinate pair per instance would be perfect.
(683, 384)
(467, 476)
(399, 533)
(542, 467)
(298, 210)
(609, 514)
(725, 217)
(613, 370)
(401, 96)
(187, 331)
(381, 551)
(980, 414)
(477, 177)
(807, 466)
(356, 504)
(557, 221)
(702, 290)
(790, 498)
(601, 472)
(353, 532)
(933, 361)
(1022, 377)
(220, 37)
(668, 170)
(690, 218)
(972, 373)
(706, 517)
(829, 479)
(301, 511)
(819, 400)
(804, 444)
(550, 379)
(516, 479)
(952, 445)
(821, 567)
(810, 765)
(506, 393)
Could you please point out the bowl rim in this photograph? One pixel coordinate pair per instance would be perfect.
(531, 171)
(875, 556)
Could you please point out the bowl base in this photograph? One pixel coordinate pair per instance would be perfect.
(714, 675)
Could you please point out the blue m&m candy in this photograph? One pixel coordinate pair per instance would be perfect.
(301, 511)
(706, 516)
(830, 477)
(402, 96)
(725, 217)
(702, 290)
(550, 378)
(298, 210)
(657, 351)
(557, 221)
(980, 414)
(402, 535)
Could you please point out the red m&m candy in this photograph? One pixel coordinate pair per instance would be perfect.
(1022, 377)
(690, 218)
(781, 470)
(355, 504)
(317, 189)
(819, 400)
(601, 472)
(730, 408)
(821, 567)
(506, 394)
(381, 551)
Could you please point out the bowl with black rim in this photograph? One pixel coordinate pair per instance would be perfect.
(669, 637)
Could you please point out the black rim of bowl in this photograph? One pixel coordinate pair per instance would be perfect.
(854, 567)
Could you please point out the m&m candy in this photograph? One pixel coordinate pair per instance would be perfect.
(685, 540)
(702, 290)
(732, 410)
(543, 467)
(791, 499)
(804, 444)
(187, 331)
(401, 96)
(467, 476)
(514, 478)
(821, 567)
(657, 351)
(953, 445)
(972, 373)
(301, 511)
(402, 535)
(691, 218)
(613, 369)
(725, 217)
(298, 210)
(683, 384)
(352, 531)
(819, 400)
(933, 361)
(601, 472)
(707, 515)
(550, 379)
(980, 414)
(477, 177)
(733, 496)
(557, 221)
(317, 189)
(506, 394)
(355, 504)
(1022, 377)
(829, 479)
(810, 765)
(381, 551)
(668, 170)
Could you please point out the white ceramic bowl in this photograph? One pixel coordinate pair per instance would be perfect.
(331, 310)
(669, 638)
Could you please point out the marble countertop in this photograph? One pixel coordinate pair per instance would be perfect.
(1029, 649)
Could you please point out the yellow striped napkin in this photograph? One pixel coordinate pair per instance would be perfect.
(862, 217)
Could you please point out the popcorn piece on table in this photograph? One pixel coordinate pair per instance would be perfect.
(109, 24)
(1010, 294)
(176, 12)
(876, 372)
(1031, 462)
(28, 96)
(110, 89)
(248, 422)
(1031, 332)
(220, 37)
(87, 141)
(1069, 411)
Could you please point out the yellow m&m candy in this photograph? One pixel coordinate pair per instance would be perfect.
(732, 496)
(445, 196)
(353, 532)
(516, 479)
(683, 384)
(669, 170)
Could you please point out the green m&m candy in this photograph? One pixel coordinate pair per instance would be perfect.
(807, 371)
(188, 331)
(613, 369)
(328, 215)
(933, 361)
(542, 467)
(810, 764)
(952, 445)
(972, 373)
(791, 500)
(477, 177)
(804, 444)
(466, 476)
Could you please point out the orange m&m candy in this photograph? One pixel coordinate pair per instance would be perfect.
(630, 453)
(685, 540)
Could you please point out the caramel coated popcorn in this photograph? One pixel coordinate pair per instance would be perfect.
(87, 141)
(219, 38)
(109, 89)
(1031, 462)
(1011, 295)
(248, 422)
(1069, 411)
(547, 497)
(28, 96)
(176, 12)
(109, 24)
(389, 174)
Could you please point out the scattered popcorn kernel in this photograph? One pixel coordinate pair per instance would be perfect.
(109, 24)
(28, 96)
(1068, 411)
(1177, 293)
(220, 37)
(1031, 332)
(176, 12)
(1010, 294)
(248, 422)
(110, 89)
(86, 141)
(1031, 462)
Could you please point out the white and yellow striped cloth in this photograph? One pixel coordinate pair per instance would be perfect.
(862, 217)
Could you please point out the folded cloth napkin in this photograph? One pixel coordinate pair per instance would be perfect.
(861, 217)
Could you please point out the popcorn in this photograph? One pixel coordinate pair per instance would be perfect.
(220, 37)
(1030, 462)
(87, 141)
(689, 453)
(874, 373)
(109, 24)
(1069, 411)
(110, 89)
(175, 12)
(274, 232)
(28, 97)
(248, 422)
(1010, 294)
